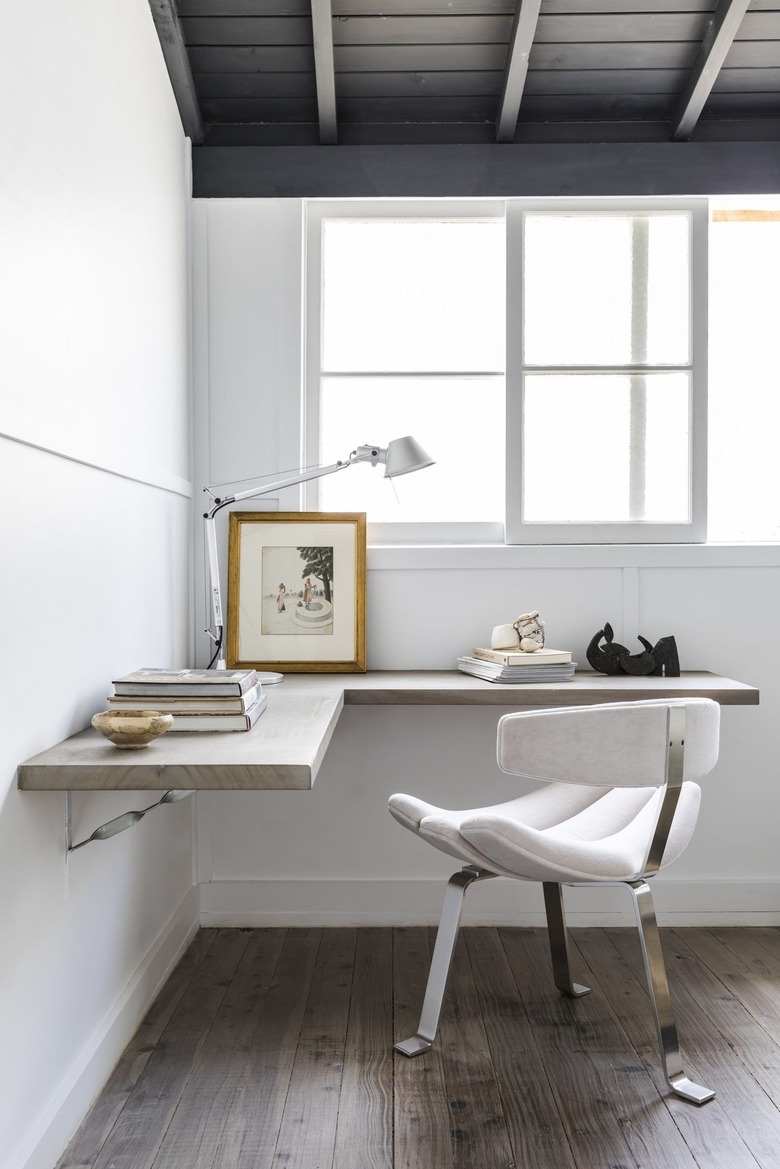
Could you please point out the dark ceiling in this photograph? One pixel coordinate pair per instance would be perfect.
(388, 73)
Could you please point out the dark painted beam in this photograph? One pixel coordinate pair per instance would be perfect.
(169, 30)
(322, 29)
(615, 168)
(766, 130)
(520, 42)
(716, 44)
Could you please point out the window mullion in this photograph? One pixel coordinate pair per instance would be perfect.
(637, 469)
(449, 375)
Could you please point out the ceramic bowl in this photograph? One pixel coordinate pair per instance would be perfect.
(130, 729)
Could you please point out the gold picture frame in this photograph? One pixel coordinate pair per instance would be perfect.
(297, 591)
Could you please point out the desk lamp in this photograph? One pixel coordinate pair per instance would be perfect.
(399, 457)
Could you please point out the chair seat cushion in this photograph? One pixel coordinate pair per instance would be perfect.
(561, 832)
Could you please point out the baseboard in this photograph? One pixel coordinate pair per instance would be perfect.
(500, 902)
(61, 1116)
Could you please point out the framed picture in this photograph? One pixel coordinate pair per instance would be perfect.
(297, 591)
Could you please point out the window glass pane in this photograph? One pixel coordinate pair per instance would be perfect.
(459, 421)
(606, 289)
(606, 448)
(414, 295)
(744, 378)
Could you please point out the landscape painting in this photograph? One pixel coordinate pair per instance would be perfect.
(297, 591)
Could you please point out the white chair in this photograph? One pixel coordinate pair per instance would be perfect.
(620, 803)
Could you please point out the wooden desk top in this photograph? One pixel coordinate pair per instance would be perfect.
(286, 746)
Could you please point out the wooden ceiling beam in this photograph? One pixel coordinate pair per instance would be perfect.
(324, 70)
(169, 31)
(486, 170)
(520, 42)
(716, 44)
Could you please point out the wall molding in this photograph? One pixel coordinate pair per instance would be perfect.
(61, 1115)
(503, 902)
(161, 480)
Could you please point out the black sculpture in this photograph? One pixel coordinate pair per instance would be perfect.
(614, 658)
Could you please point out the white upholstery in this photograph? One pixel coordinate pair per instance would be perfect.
(566, 831)
(616, 744)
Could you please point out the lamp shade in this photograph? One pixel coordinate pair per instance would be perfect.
(405, 455)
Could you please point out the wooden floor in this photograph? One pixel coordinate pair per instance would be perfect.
(273, 1047)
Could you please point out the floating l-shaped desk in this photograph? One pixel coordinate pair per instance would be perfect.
(285, 748)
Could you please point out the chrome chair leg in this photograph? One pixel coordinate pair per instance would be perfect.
(559, 941)
(661, 999)
(446, 936)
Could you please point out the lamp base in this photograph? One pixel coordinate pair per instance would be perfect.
(264, 677)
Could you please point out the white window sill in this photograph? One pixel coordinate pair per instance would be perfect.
(449, 557)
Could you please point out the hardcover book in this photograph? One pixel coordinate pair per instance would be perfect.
(516, 657)
(494, 672)
(190, 704)
(180, 683)
(220, 722)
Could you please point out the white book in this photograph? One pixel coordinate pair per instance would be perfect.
(220, 722)
(181, 683)
(181, 704)
(516, 675)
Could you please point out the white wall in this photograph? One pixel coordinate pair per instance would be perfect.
(334, 854)
(94, 534)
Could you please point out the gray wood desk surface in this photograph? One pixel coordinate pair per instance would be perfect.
(287, 745)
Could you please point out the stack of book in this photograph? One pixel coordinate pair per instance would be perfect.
(199, 700)
(515, 666)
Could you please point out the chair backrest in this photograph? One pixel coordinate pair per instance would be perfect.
(621, 744)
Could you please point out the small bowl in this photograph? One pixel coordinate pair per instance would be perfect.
(131, 729)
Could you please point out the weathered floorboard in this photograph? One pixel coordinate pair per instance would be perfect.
(272, 1049)
(253, 1119)
(586, 1108)
(708, 1132)
(92, 1134)
(143, 1122)
(364, 1133)
(422, 1117)
(519, 1064)
(472, 1091)
(195, 1131)
(307, 1133)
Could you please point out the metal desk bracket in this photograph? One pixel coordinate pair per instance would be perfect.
(119, 823)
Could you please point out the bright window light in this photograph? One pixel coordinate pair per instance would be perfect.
(412, 321)
(606, 368)
(607, 289)
(619, 427)
(744, 378)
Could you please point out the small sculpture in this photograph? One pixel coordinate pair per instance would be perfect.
(526, 634)
(614, 658)
(530, 630)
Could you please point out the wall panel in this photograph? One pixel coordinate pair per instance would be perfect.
(94, 532)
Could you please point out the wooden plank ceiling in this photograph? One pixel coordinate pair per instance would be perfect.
(368, 98)
(321, 72)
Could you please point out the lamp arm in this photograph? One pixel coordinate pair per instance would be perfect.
(292, 481)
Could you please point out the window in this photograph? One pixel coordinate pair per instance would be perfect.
(606, 372)
(603, 420)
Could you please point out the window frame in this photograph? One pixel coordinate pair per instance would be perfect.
(521, 531)
(514, 530)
